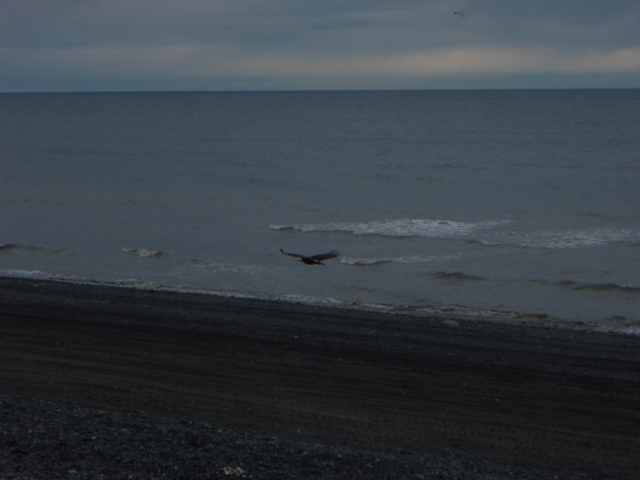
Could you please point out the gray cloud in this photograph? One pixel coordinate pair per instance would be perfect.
(295, 44)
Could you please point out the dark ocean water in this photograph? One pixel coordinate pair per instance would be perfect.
(456, 202)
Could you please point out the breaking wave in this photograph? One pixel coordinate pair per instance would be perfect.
(398, 228)
(627, 288)
(37, 275)
(144, 253)
(564, 239)
(360, 262)
(216, 267)
(378, 261)
(609, 287)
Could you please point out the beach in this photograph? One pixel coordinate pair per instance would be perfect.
(288, 384)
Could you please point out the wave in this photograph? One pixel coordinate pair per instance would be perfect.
(457, 276)
(39, 275)
(593, 237)
(594, 287)
(378, 261)
(398, 228)
(144, 253)
(610, 287)
(216, 267)
(364, 261)
(8, 247)
(32, 249)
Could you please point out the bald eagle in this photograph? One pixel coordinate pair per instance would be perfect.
(314, 260)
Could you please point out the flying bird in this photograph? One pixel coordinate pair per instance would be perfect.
(314, 260)
(459, 13)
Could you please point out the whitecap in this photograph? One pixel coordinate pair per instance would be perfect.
(564, 238)
(364, 261)
(144, 253)
(381, 260)
(398, 228)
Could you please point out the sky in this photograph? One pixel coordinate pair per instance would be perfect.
(258, 45)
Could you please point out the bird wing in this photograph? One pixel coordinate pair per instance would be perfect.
(292, 254)
(325, 256)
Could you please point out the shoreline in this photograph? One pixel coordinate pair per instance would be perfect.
(554, 398)
(614, 324)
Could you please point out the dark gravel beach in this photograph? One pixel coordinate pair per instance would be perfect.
(110, 382)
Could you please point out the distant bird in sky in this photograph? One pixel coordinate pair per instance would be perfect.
(314, 260)
(459, 13)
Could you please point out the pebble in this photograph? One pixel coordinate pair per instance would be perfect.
(44, 440)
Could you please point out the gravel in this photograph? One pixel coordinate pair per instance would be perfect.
(44, 440)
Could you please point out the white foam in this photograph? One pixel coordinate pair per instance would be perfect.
(405, 260)
(214, 267)
(566, 238)
(399, 228)
(144, 253)
(37, 275)
(364, 261)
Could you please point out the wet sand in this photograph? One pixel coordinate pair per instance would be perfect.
(553, 398)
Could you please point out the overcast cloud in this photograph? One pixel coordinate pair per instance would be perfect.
(113, 45)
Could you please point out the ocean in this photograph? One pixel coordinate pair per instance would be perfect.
(508, 205)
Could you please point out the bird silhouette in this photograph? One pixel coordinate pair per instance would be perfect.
(459, 13)
(315, 259)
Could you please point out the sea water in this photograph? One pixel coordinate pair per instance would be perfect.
(510, 205)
